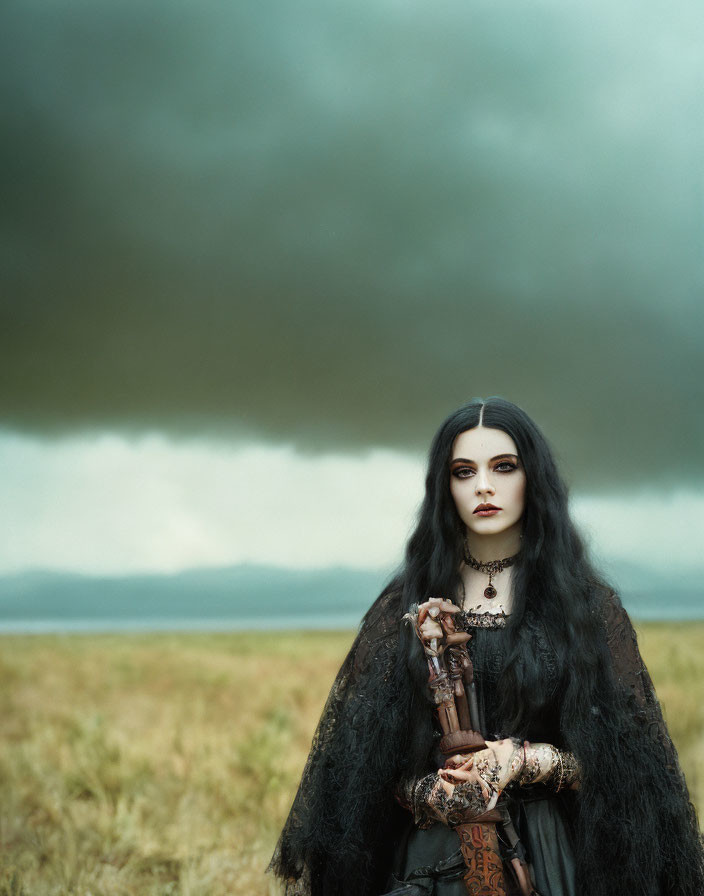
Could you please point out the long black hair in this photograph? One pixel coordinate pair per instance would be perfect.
(553, 581)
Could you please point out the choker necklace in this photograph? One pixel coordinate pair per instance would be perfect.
(491, 568)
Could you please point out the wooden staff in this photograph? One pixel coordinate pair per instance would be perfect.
(451, 678)
(452, 684)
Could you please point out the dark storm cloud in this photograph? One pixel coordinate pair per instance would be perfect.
(330, 223)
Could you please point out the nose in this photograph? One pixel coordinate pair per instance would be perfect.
(482, 484)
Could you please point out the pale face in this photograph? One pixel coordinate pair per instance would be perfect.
(485, 470)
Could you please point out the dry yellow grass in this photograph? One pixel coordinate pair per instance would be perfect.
(165, 764)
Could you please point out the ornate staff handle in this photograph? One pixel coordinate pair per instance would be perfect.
(451, 676)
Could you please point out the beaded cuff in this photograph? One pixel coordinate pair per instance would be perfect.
(545, 764)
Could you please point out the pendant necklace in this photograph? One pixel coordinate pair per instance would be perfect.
(491, 568)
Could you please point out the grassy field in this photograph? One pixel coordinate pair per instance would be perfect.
(164, 764)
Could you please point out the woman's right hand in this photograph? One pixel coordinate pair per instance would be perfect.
(451, 805)
(469, 786)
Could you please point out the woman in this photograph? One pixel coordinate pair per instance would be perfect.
(600, 805)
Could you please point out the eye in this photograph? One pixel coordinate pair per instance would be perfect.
(506, 466)
(462, 472)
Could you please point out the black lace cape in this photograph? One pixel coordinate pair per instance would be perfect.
(635, 829)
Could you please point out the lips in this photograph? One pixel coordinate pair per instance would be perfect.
(486, 508)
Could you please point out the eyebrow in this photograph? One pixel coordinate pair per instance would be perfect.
(464, 460)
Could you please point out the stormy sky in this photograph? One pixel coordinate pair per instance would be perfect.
(322, 226)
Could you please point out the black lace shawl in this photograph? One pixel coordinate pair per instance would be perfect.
(635, 829)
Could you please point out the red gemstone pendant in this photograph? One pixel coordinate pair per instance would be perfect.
(490, 592)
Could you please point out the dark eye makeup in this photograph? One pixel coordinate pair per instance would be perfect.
(503, 466)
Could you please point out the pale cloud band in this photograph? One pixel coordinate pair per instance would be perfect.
(110, 505)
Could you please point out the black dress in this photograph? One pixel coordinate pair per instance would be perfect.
(429, 859)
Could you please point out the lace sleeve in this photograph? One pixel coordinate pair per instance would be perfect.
(633, 678)
(634, 821)
(337, 833)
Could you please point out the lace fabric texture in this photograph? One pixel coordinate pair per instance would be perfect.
(634, 679)
(635, 818)
(342, 816)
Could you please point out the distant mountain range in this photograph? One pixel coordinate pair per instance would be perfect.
(262, 597)
(232, 597)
